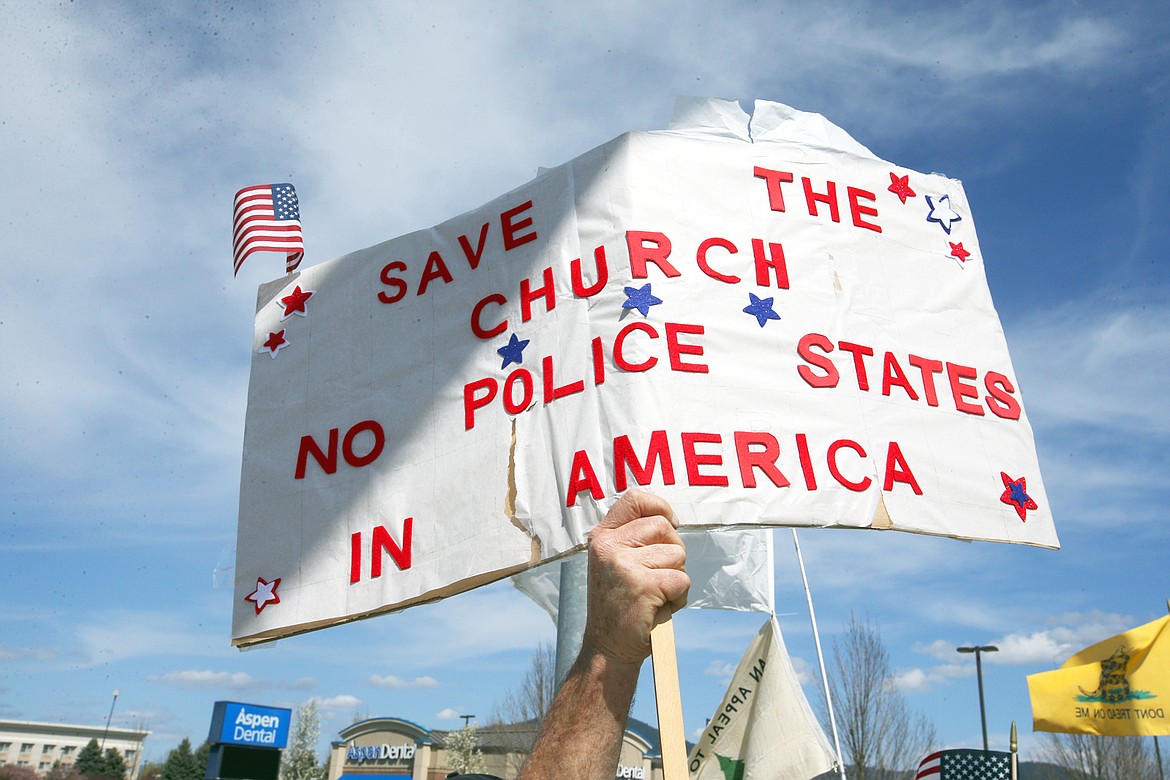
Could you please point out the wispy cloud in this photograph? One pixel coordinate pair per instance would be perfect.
(341, 703)
(390, 681)
(31, 653)
(206, 679)
(720, 670)
(113, 635)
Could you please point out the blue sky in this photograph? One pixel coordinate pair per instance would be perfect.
(126, 129)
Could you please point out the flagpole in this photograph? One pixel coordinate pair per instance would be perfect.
(820, 656)
(1015, 745)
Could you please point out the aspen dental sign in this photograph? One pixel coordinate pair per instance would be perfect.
(252, 725)
(753, 316)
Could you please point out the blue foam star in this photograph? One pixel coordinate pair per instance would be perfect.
(761, 309)
(513, 351)
(640, 298)
(1017, 494)
(942, 213)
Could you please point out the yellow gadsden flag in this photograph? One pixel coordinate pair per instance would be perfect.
(1116, 688)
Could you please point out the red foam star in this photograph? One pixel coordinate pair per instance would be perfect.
(1015, 493)
(276, 342)
(900, 186)
(958, 251)
(264, 594)
(294, 302)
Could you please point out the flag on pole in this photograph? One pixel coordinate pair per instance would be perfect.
(267, 218)
(1118, 687)
(764, 727)
(966, 764)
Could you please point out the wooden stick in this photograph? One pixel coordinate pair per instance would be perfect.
(668, 697)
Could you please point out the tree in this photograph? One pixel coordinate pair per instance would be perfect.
(299, 761)
(181, 764)
(63, 772)
(201, 754)
(90, 761)
(14, 772)
(1102, 758)
(463, 746)
(113, 765)
(533, 698)
(877, 729)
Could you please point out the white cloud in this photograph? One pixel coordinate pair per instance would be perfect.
(195, 679)
(914, 680)
(206, 679)
(448, 714)
(1066, 634)
(390, 681)
(341, 702)
(721, 670)
(806, 673)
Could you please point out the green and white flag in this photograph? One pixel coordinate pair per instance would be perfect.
(764, 727)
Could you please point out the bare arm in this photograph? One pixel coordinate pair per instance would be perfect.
(636, 568)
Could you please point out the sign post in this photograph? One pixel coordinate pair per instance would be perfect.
(246, 741)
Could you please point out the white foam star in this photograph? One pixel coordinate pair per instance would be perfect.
(942, 213)
(264, 594)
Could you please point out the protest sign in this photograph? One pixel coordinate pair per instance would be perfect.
(755, 317)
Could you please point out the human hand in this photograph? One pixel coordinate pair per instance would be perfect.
(636, 567)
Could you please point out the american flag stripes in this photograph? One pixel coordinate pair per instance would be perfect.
(965, 764)
(267, 218)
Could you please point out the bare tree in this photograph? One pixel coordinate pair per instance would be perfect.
(881, 737)
(1102, 758)
(531, 700)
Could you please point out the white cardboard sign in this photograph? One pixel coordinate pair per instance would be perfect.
(757, 319)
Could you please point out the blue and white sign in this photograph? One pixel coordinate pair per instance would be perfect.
(233, 723)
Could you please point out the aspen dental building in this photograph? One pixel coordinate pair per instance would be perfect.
(394, 748)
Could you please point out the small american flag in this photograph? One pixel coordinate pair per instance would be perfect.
(267, 218)
(966, 764)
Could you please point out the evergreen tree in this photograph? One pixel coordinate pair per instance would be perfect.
(89, 760)
(299, 761)
(113, 765)
(181, 764)
(201, 755)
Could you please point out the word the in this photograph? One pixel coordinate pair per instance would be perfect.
(775, 180)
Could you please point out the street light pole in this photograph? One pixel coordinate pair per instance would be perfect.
(979, 676)
(108, 717)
